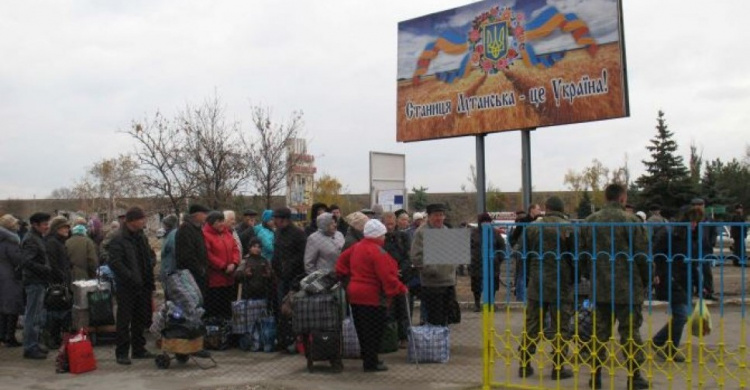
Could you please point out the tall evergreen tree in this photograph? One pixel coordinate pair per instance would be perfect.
(667, 180)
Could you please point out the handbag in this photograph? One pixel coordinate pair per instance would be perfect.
(101, 312)
(351, 341)
(267, 332)
(57, 297)
(389, 341)
(80, 353)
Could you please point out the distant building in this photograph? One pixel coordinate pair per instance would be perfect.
(301, 178)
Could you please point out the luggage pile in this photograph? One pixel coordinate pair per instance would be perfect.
(180, 316)
(317, 320)
(178, 321)
(93, 308)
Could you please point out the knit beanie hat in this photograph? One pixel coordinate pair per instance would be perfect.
(374, 229)
(78, 230)
(267, 215)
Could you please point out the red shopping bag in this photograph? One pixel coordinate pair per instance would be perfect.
(80, 354)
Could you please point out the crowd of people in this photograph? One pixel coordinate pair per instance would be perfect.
(266, 253)
(380, 256)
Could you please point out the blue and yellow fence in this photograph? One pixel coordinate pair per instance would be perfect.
(641, 281)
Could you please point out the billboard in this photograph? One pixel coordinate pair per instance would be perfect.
(508, 65)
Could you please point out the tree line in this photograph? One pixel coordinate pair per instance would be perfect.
(669, 181)
(198, 154)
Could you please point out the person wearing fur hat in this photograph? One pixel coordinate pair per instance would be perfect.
(190, 246)
(82, 253)
(357, 221)
(264, 233)
(223, 259)
(373, 282)
(324, 246)
(58, 320)
(37, 273)
(11, 288)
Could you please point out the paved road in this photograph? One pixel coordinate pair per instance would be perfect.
(275, 371)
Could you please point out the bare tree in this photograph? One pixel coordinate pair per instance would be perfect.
(215, 153)
(160, 152)
(62, 193)
(107, 183)
(271, 160)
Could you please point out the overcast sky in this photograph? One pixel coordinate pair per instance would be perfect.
(73, 73)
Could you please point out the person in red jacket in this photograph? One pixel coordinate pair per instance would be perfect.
(223, 258)
(373, 282)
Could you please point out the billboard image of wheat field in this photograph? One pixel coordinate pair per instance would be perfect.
(509, 65)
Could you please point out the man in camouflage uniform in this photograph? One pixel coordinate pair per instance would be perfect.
(613, 285)
(554, 243)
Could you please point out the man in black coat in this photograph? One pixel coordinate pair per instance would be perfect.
(288, 264)
(36, 277)
(58, 319)
(130, 258)
(190, 246)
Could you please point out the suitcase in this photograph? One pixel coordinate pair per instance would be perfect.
(324, 346)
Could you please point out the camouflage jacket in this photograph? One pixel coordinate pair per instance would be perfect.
(606, 242)
(550, 251)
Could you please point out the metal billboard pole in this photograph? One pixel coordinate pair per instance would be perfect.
(526, 166)
(481, 181)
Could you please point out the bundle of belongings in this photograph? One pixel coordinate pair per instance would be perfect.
(180, 316)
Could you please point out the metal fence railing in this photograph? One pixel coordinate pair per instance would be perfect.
(607, 304)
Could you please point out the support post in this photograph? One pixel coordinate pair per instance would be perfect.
(481, 179)
(526, 167)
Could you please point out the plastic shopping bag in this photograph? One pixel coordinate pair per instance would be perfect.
(700, 320)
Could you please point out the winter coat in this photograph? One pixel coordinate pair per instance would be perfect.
(130, 258)
(190, 252)
(288, 253)
(675, 279)
(266, 236)
(476, 266)
(255, 274)
(222, 251)
(82, 254)
(543, 265)
(432, 275)
(58, 259)
(397, 245)
(322, 248)
(11, 260)
(246, 232)
(168, 262)
(615, 284)
(36, 265)
(372, 274)
(353, 236)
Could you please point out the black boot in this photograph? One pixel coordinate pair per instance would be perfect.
(477, 304)
(525, 370)
(638, 382)
(596, 380)
(11, 321)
